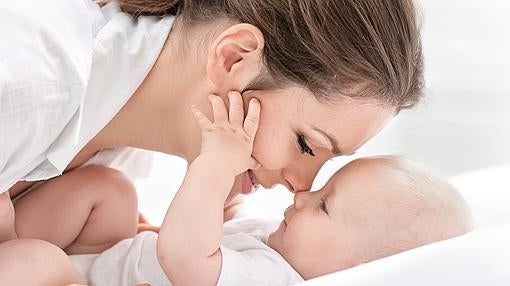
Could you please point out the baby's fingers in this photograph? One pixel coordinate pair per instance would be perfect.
(235, 111)
(251, 122)
(201, 119)
(220, 114)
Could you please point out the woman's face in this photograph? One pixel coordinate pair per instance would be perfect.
(297, 134)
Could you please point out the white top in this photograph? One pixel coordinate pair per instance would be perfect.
(246, 259)
(66, 68)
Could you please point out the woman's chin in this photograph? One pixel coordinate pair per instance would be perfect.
(243, 184)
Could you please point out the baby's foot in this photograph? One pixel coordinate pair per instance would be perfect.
(7, 231)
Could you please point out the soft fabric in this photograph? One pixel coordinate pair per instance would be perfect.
(246, 259)
(133, 162)
(67, 67)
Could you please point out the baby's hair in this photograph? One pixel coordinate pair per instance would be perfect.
(335, 48)
(426, 209)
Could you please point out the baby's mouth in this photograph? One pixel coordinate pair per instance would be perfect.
(254, 185)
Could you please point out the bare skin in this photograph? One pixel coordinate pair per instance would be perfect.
(87, 211)
(107, 212)
(27, 262)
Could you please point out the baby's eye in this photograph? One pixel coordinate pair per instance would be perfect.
(303, 146)
(323, 206)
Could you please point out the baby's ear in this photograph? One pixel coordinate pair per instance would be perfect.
(235, 57)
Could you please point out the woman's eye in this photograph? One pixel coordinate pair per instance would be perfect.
(322, 205)
(303, 146)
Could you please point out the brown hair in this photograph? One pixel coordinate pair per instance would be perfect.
(355, 48)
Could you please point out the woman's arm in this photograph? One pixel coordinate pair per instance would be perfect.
(189, 240)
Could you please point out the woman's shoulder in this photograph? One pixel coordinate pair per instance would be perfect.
(54, 35)
(67, 18)
(45, 57)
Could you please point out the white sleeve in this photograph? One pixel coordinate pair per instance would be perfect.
(45, 55)
(255, 267)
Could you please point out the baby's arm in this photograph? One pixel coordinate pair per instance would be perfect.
(189, 240)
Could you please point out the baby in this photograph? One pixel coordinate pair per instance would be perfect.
(371, 208)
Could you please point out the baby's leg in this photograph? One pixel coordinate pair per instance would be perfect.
(35, 262)
(7, 231)
(86, 210)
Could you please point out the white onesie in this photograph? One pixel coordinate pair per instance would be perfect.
(246, 259)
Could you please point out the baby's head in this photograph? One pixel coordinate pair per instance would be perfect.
(371, 208)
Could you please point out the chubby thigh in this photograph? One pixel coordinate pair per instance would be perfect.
(86, 210)
(35, 262)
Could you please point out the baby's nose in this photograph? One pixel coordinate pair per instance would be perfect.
(300, 199)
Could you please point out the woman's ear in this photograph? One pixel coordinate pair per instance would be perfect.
(235, 58)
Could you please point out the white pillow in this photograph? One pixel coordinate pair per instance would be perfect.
(481, 257)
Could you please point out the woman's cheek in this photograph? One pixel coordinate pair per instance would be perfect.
(271, 152)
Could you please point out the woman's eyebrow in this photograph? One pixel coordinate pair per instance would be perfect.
(334, 143)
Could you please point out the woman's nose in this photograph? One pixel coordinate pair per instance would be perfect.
(299, 180)
(299, 176)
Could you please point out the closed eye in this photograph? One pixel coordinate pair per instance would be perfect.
(303, 145)
(323, 206)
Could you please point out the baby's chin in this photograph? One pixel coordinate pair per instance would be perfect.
(274, 240)
(270, 240)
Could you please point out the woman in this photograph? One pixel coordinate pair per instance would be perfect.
(83, 80)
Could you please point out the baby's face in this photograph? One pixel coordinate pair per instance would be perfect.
(328, 230)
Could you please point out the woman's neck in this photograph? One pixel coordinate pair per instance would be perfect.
(158, 116)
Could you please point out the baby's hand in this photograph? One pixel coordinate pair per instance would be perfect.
(229, 139)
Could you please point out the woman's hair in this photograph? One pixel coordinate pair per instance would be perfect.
(355, 48)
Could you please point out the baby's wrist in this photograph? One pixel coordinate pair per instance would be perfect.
(214, 165)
